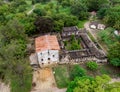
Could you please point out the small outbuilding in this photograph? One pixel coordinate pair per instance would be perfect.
(47, 49)
(97, 25)
(117, 33)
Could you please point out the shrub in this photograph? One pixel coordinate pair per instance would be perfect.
(92, 65)
(77, 71)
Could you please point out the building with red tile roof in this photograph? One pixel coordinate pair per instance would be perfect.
(47, 49)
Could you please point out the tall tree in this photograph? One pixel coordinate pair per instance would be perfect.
(12, 30)
(80, 10)
(95, 5)
(114, 54)
(112, 16)
(44, 24)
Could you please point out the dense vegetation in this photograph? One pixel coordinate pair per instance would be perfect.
(89, 84)
(64, 74)
(73, 43)
(17, 25)
(92, 65)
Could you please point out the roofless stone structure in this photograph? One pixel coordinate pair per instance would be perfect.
(89, 51)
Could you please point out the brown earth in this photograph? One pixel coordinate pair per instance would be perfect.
(44, 81)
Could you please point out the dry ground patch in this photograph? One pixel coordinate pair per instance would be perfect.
(44, 81)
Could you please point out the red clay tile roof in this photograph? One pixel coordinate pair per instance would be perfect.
(46, 42)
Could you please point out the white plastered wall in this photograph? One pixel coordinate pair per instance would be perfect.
(48, 56)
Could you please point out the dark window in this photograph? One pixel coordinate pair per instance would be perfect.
(48, 58)
(41, 59)
(53, 55)
(48, 52)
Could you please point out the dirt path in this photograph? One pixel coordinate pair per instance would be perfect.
(45, 81)
(29, 12)
(4, 88)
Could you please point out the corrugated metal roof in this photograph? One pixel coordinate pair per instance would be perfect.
(47, 42)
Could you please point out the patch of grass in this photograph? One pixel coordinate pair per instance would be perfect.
(61, 76)
(81, 23)
(103, 70)
(91, 37)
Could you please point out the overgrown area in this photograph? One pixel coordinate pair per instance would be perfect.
(64, 74)
(73, 43)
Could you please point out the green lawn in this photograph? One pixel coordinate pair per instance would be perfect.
(61, 76)
(91, 37)
(81, 23)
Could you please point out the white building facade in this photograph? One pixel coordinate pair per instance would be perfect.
(47, 49)
(48, 56)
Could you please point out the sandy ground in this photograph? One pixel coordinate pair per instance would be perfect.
(115, 80)
(45, 81)
(4, 88)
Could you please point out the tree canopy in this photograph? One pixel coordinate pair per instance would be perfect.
(112, 16)
(97, 84)
(114, 54)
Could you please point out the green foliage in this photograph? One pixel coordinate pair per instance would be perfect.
(75, 83)
(26, 86)
(39, 12)
(77, 71)
(74, 43)
(80, 10)
(14, 67)
(94, 5)
(61, 76)
(44, 24)
(87, 84)
(114, 54)
(113, 87)
(102, 12)
(81, 23)
(61, 20)
(111, 18)
(40, 1)
(105, 36)
(21, 80)
(103, 70)
(11, 31)
(92, 65)
(58, 25)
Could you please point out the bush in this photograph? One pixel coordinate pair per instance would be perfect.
(77, 71)
(92, 65)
